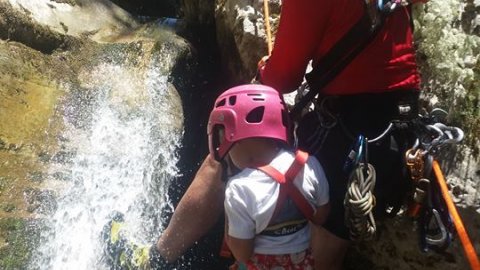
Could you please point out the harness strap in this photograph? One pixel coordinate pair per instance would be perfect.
(287, 188)
(351, 44)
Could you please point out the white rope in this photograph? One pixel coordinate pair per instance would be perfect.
(359, 202)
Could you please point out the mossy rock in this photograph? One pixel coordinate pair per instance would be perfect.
(21, 238)
(8, 207)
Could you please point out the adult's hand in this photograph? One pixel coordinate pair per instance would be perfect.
(260, 67)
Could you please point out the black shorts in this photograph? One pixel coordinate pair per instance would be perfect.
(368, 115)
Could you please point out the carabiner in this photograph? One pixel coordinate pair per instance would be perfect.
(436, 237)
(356, 155)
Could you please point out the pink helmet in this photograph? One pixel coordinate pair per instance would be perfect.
(246, 111)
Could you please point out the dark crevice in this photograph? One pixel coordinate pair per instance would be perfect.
(150, 8)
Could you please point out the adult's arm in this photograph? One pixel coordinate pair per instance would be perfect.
(301, 28)
(321, 214)
(197, 212)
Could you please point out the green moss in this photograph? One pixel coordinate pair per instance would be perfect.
(21, 237)
(3, 184)
(8, 207)
(449, 64)
(10, 224)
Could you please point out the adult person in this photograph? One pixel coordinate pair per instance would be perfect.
(362, 99)
(378, 78)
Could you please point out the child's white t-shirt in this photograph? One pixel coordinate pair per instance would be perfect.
(251, 196)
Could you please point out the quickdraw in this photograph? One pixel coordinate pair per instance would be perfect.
(430, 205)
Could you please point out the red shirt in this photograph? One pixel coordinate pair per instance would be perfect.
(309, 28)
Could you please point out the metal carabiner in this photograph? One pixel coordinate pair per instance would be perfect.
(357, 154)
(440, 237)
(436, 140)
(447, 130)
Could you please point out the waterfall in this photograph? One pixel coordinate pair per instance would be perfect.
(124, 144)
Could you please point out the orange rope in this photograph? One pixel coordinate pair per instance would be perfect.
(462, 233)
(267, 26)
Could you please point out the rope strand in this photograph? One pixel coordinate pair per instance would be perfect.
(267, 26)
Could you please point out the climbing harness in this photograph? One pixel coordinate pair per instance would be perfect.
(326, 121)
(287, 191)
(359, 199)
(287, 188)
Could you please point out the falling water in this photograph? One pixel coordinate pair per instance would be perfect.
(124, 142)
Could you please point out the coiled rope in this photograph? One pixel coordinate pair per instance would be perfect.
(359, 202)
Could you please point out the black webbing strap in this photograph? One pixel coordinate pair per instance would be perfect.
(337, 58)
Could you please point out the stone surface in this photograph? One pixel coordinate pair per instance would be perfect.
(93, 18)
(55, 58)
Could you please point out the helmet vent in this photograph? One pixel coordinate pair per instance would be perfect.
(232, 100)
(220, 103)
(256, 115)
(257, 97)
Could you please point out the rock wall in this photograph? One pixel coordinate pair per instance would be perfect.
(198, 11)
(55, 57)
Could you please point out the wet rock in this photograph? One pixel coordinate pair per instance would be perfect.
(8, 207)
(47, 19)
(22, 237)
(3, 183)
(63, 157)
(18, 26)
(62, 176)
(44, 157)
(40, 201)
(36, 176)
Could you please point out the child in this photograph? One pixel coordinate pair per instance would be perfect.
(275, 191)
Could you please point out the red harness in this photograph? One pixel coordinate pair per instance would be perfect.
(287, 189)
